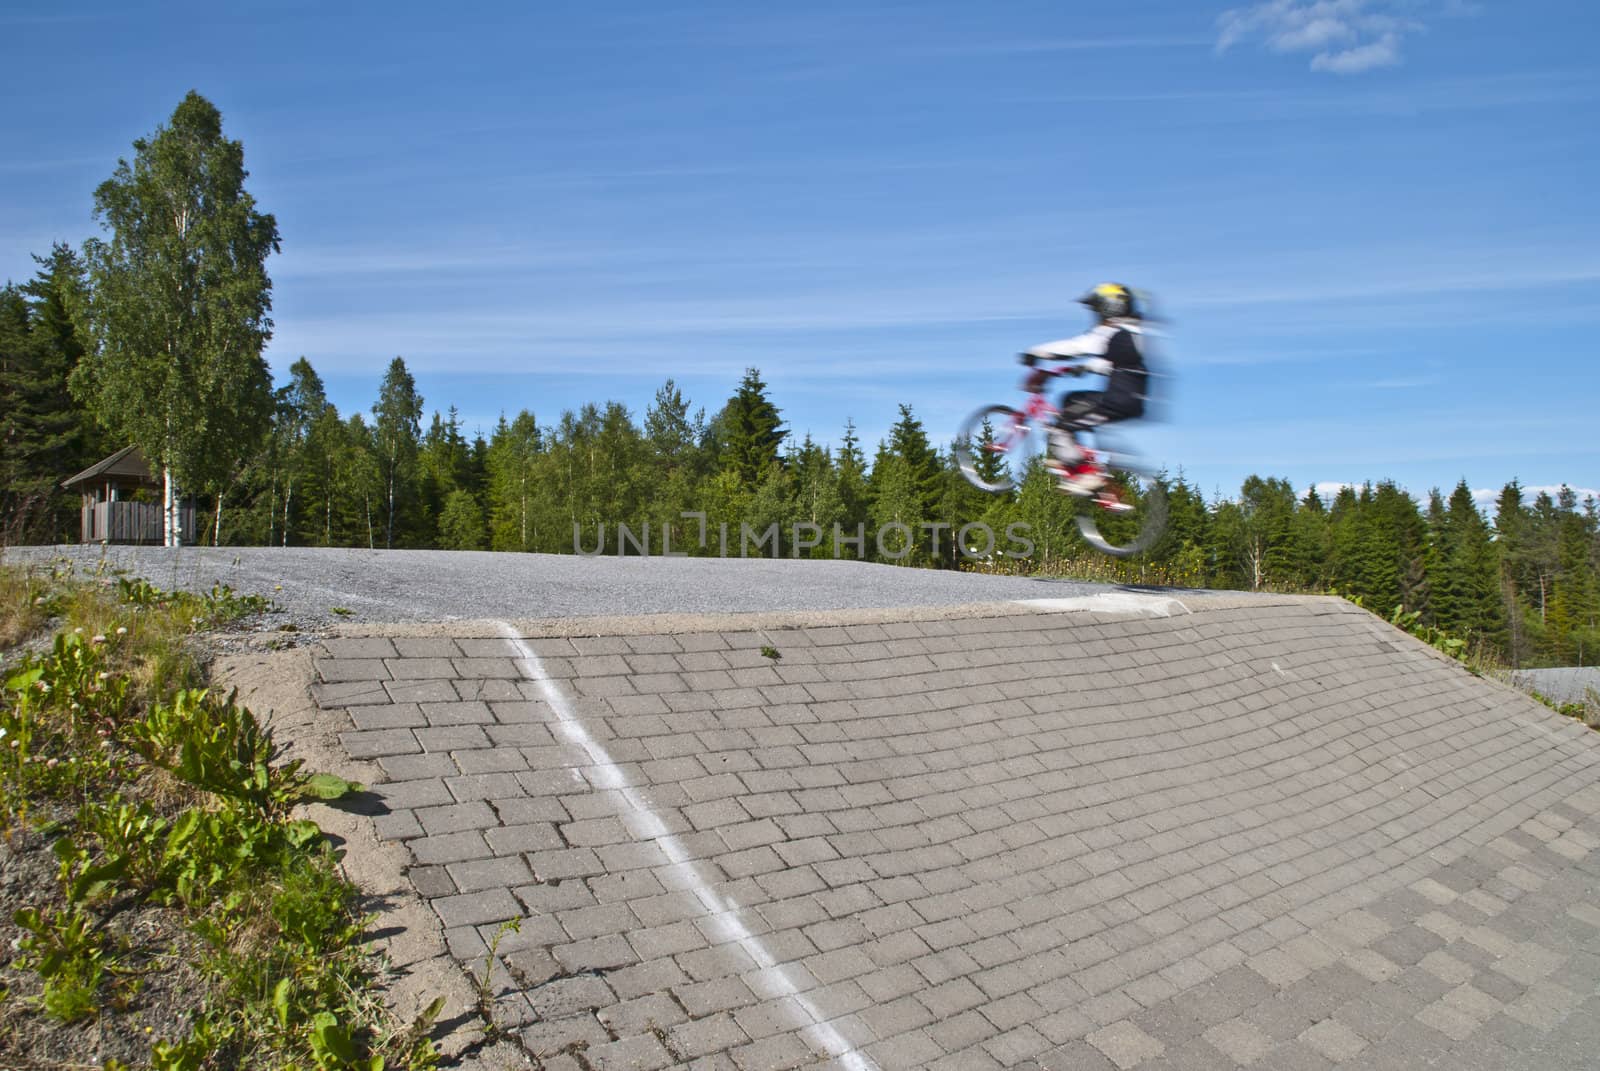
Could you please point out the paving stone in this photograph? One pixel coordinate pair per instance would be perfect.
(379, 743)
(973, 855)
(495, 905)
(1125, 1045)
(1239, 1040)
(362, 647)
(387, 716)
(1334, 1040)
(476, 875)
(421, 648)
(345, 670)
(421, 691)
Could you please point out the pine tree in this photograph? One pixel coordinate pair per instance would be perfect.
(461, 522)
(1182, 543)
(1464, 574)
(991, 466)
(896, 500)
(512, 459)
(852, 467)
(752, 430)
(59, 297)
(908, 441)
(28, 431)
(1309, 543)
(298, 405)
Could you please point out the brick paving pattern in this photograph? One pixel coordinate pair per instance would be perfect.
(1278, 836)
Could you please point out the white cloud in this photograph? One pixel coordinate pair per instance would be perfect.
(1346, 36)
(1384, 52)
(1328, 490)
(1486, 497)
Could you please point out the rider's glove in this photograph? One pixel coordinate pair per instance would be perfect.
(1074, 370)
(1027, 358)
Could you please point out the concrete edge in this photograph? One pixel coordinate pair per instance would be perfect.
(1121, 604)
(276, 686)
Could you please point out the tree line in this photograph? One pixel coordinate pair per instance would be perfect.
(154, 336)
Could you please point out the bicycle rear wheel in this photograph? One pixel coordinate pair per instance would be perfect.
(984, 464)
(1125, 534)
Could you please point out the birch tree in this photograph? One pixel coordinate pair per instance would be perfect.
(178, 303)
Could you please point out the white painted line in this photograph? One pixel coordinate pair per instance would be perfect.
(774, 978)
(1109, 602)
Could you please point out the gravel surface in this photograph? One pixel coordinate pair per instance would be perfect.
(396, 586)
(1565, 685)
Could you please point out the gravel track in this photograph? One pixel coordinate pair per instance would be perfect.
(399, 586)
(1568, 684)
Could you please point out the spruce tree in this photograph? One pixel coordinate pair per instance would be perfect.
(1309, 543)
(909, 442)
(512, 459)
(752, 431)
(1464, 575)
(852, 466)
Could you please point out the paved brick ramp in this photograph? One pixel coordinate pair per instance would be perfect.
(1277, 835)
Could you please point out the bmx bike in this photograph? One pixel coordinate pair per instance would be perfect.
(1132, 504)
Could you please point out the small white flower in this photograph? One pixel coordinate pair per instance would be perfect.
(78, 631)
(97, 638)
(122, 630)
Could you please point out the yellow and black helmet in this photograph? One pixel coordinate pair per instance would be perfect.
(1111, 301)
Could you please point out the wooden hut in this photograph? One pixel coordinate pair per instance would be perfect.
(112, 508)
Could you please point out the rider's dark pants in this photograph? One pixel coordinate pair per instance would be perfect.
(1082, 410)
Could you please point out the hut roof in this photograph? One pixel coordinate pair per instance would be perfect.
(128, 462)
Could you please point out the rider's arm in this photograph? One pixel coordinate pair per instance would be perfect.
(1090, 345)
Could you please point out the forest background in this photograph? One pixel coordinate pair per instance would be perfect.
(279, 465)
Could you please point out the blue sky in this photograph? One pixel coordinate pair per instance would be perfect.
(1370, 222)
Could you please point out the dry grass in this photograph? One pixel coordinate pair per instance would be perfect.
(152, 652)
(21, 612)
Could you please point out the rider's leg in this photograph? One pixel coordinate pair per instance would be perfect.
(1077, 414)
(1083, 411)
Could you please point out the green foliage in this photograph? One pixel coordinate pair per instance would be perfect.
(200, 826)
(395, 437)
(752, 430)
(46, 435)
(461, 523)
(486, 976)
(69, 954)
(179, 301)
(218, 746)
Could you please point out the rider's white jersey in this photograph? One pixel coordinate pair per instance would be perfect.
(1094, 345)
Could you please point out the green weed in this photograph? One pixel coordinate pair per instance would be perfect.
(183, 800)
(69, 954)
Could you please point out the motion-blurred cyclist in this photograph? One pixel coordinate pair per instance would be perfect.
(1113, 347)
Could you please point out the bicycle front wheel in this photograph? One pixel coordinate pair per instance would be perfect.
(1135, 526)
(983, 456)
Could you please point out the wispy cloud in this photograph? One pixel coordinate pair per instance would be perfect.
(1343, 36)
(1486, 497)
(1399, 383)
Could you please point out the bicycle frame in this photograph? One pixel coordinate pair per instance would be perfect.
(1039, 412)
